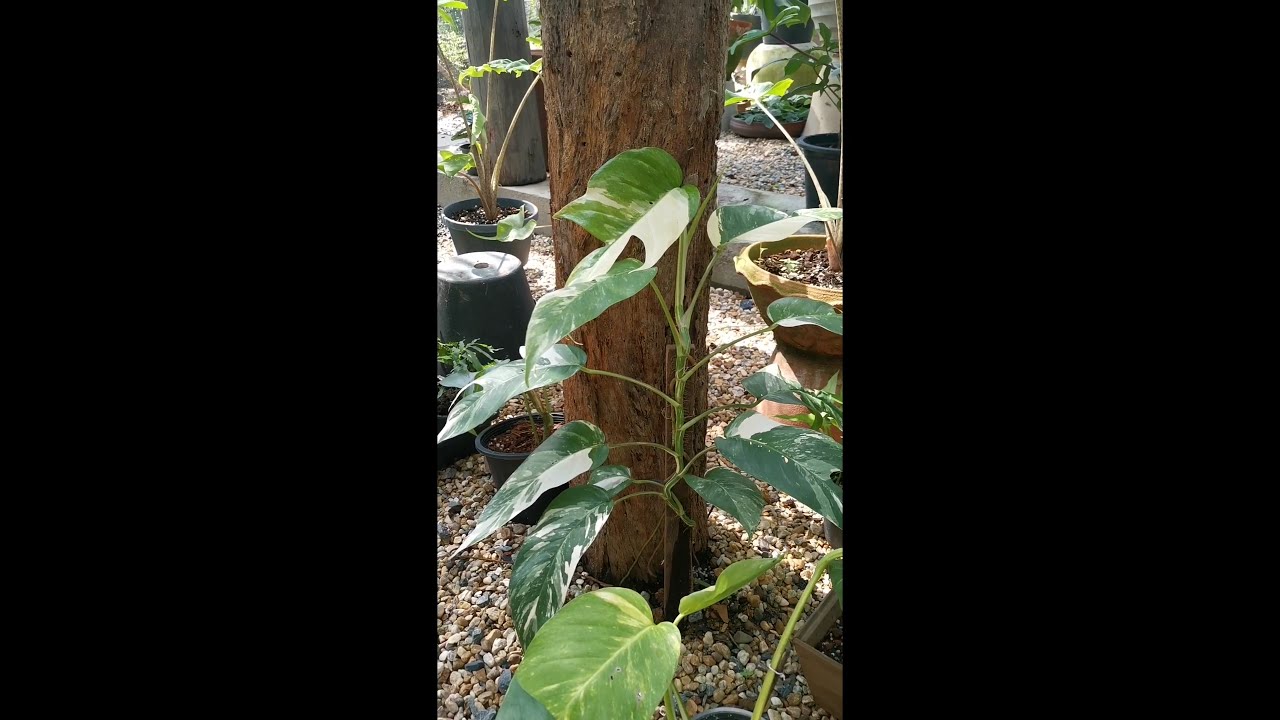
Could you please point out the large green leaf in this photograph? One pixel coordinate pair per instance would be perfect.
(755, 93)
(793, 311)
(545, 563)
(612, 479)
(442, 5)
(836, 568)
(451, 163)
(732, 493)
(570, 451)
(731, 580)
(797, 461)
(520, 705)
(602, 657)
(559, 313)
(636, 193)
(497, 385)
(756, 223)
(767, 384)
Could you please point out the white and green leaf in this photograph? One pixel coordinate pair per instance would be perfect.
(546, 561)
(795, 311)
(736, 495)
(576, 448)
(796, 461)
(560, 312)
(731, 580)
(756, 223)
(509, 228)
(612, 479)
(497, 385)
(602, 656)
(636, 193)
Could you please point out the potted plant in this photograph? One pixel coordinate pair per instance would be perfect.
(640, 192)
(791, 112)
(489, 222)
(456, 364)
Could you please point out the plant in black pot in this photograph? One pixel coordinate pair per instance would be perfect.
(508, 444)
(457, 363)
(489, 222)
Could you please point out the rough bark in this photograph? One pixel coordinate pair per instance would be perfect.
(623, 74)
(500, 95)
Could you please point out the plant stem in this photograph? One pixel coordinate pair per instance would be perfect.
(625, 497)
(671, 323)
(726, 346)
(717, 409)
(671, 401)
(780, 652)
(822, 197)
(663, 448)
(671, 688)
(502, 151)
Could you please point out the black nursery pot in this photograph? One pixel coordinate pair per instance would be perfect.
(723, 713)
(823, 153)
(486, 297)
(502, 465)
(464, 242)
(794, 34)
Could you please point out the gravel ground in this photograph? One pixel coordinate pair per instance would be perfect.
(761, 164)
(722, 660)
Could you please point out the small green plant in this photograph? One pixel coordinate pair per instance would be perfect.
(626, 670)
(464, 359)
(481, 156)
(791, 266)
(786, 110)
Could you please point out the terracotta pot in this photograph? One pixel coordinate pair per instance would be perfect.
(824, 675)
(756, 130)
(766, 287)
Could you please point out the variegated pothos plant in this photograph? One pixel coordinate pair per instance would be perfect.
(625, 669)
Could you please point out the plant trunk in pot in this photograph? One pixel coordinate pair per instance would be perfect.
(464, 242)
(503, 464)
(484, 297)
(766, 287)
(824, 675)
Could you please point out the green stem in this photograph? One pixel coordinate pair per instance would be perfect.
(671, 323)
(778, 654)
(670, 400)
(717, 409)
(625, 497)
(663, 448)
(671, 688)
(722, 348)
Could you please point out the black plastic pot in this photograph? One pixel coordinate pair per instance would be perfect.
(485, 297)
(502, 465)
(823, 153)
(464, 242)
(794, 34)
(722, 713)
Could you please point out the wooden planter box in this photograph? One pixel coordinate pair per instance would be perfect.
(824, 675)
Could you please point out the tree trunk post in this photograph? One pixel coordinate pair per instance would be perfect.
(500, 95)
(619, 75)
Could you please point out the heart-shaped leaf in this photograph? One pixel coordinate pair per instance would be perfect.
(636, 193)
(793, 311)
(736, 495)
(451, 163)
(520, 705)
(560, 312)
(731, 580)
(797, 461)
(546, 561)
(602, 656)
(836, 568)
(613, 479)
(570, 451)
(499, 384)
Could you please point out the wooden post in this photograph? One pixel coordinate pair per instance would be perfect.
(526, 160)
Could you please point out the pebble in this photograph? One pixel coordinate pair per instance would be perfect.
(741, 638)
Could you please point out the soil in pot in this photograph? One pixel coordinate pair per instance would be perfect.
(478, 216)
(516, 432)
(522, 438)
(806, 265)
(446, 401)
(832, 644)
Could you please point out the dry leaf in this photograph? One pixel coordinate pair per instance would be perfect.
(722, 611)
